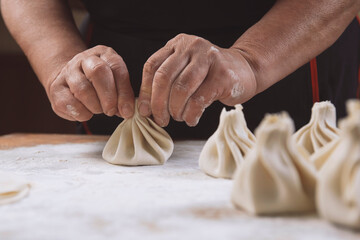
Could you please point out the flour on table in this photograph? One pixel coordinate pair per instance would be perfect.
(12, 188)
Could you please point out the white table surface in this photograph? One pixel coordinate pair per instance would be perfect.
(77, 195)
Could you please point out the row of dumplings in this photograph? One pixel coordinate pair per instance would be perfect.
(278, 171)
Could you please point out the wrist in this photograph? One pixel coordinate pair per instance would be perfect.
(252, 64)
(48, 64)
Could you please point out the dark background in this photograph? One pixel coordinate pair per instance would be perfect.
(24, 106)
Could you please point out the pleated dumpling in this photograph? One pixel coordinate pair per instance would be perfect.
(226, 148)
(275, 177)
(320, 130)
(12, 188)
(320, 157)
(353, 107)
(338, 188)
(138, 141)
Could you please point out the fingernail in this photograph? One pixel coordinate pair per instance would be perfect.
(111, 112)
(127, 111)
(160, 122)
(144, 108)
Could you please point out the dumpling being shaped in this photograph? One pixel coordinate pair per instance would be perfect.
(338, 187)
(320, 130)
(138, 141)
(320, 157)
(12, 188)
(275, 177)
(226, 148)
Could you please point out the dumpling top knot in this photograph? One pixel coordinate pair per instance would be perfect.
(320, 130)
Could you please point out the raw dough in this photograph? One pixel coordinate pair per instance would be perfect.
(320, 130)
(338, 188)
(275, 176)
(138, 141)
(226, 148)
(12, 188)
(321, 156)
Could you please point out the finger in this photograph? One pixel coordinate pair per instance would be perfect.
(150, 67)
(125, 94)
(185, 85)
(199, 101)
(163, 80)
(100, 75)
(84, 91)
(68, 107)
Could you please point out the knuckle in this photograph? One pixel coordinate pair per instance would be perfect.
(58, 104)
(196, 41)
(222, 71)
(98, 69)
(161, 80)
(116, 66)
(109, 50)
(198, 100)
(81, 90)
(181, 86)
(149, 66)
(100, 47)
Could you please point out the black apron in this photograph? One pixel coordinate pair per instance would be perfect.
(137, 29)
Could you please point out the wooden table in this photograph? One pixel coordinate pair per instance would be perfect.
(77, 195)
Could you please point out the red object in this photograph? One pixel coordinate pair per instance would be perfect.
(314, 80)
(86, 128)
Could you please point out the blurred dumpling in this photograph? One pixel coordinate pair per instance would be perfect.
(321, 156)
(338, 188)
(352, 107)
(320, 130)
(138, 141)
(226, 148)
(12, 188)
(275, 177)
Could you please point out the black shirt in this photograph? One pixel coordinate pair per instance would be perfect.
(137, 29)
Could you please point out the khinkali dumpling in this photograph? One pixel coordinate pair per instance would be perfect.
(338, 188)
(225, 149)
(321, 156)
(12, 188)
(138, 141)
(320, 130)
(275, 176)
(352, 107)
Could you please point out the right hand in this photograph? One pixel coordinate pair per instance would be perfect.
(94, 81)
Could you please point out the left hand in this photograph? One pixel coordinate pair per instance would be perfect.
(188, 74)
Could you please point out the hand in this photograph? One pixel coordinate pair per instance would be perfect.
(94, 81)
(188, 74)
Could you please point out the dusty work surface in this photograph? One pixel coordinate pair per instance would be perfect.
(77, 195)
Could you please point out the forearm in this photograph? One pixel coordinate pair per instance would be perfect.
(45, 31)
(291, 34)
